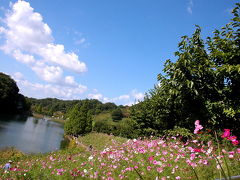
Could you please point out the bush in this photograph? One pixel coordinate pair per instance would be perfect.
(117, 114)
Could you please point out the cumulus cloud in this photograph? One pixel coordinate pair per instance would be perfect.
(97, 96)
(51, 74)
(124, 97)
(127, 99)
(29, 40)
(18, 76)
(70, 80)
(138, 96)
(38, 90)
(24, 58)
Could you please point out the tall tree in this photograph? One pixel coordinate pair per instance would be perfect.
(224, 52)
(79, 120)
(8, 94)
(204, 83)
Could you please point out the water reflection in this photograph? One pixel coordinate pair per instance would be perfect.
(29, 134)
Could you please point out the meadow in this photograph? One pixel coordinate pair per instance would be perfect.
(206, 155)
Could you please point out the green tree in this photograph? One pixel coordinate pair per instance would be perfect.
(79, 120)
(224, 52)
(8, 94)
(117, 114)
(203, 83)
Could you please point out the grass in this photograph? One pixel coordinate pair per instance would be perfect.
(99, 141)
(118, 158)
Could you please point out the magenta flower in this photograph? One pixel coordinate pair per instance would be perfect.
(198, 127)
(235, 142)
(197, 150)
(226, 133)
(231, 138)
(150, 158)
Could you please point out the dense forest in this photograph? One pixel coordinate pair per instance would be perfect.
(11, 101)
(56, 107)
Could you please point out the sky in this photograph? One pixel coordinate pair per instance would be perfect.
(110, 50)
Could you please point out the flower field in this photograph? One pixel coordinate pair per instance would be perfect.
(151, 158)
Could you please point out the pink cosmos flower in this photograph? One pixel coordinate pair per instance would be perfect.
(159, 169)
(231, 138)
(198, 127)
(226, 133)
(197, 122)
(149, 168)
(150, 158)
(235, 142)
(205, 162)
(238, 150)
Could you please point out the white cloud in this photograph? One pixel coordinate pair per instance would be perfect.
(127, 99)
(29, 40)
(97, 96)
(190, 6)
(51, 74)
(18, 76)
(38, 90)
(24, 58)
(124, 97)
(138, 96)
(70, 80)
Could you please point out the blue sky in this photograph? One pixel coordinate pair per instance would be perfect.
(111, 50)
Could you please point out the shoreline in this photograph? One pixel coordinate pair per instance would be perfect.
(41, 116)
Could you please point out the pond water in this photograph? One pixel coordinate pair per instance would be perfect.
(29, 134)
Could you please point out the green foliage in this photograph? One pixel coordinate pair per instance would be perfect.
(10, 100)
(178, 132)
(117, 114)
(53, 106)
(224, 50)
(124, 128)
(203, 83)
(79, 120)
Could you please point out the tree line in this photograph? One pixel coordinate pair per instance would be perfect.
(52, 106)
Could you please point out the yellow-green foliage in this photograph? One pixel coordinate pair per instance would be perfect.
(10, 153)
(72, 144)
(102, 116)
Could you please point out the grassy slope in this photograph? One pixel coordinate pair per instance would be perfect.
(42, 165)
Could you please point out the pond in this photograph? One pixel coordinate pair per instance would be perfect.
(29, 134)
